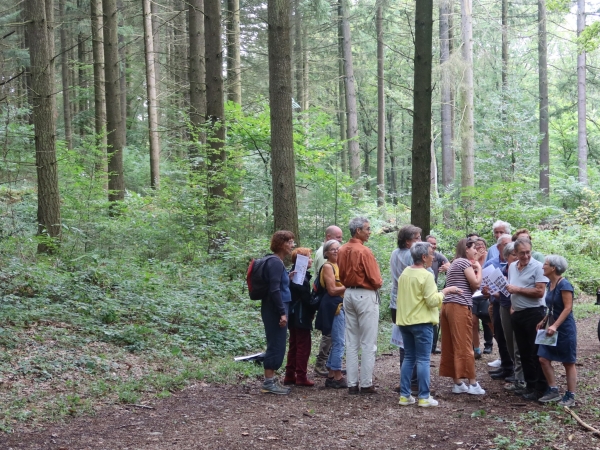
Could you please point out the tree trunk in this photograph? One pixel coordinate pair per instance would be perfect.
(123, 85)
(41, 53)
(342, 101)
(448, 168)
(582, 152)
(197, 75)
(393, 168)
(421, 143)
(297, 54)
(283, 168)
(114, 119)
(304, 99)
(351, 109)
(64, 63)
(83, 81)
(152, 102)
(380, 110)
(156, 38)
(543, 90)
(214, 107)
(234, 62)
(467, 134)
(99, 81)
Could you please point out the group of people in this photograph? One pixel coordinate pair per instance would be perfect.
(539, 298)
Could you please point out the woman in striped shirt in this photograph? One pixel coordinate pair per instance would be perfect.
(456, 320)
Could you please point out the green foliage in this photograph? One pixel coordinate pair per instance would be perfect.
(589, 39)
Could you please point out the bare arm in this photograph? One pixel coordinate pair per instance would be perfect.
(567, 298)
(535, 292)
(329, 278)
(473, 276)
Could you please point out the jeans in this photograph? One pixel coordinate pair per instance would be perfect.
(276, 335)
(417, 350)
(361, 307)
(338, 331)
(524, 323)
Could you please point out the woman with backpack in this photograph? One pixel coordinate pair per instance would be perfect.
(331, 317)
(301, 315)
(274, 309)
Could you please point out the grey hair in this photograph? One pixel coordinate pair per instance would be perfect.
(508, 249)
(418, 250)
(356, 223)
(327, 245)
(558, 262)
(501, 223)
(504, 236)
(522, 241)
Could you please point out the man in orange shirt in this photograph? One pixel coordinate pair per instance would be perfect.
(360, 274)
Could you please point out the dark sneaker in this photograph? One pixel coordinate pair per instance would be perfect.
(273, 387)
(551, 395)
(328, 382)
(511, 378)
(495, 371)
(353, 390)
(487, 350)
(522, 390)
(533, 395)
(339, 384)
(501, 375)
(368, 390)
(568, 399)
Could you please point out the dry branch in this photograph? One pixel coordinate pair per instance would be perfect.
(581, 422)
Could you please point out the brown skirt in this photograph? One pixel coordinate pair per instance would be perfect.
(457, 360)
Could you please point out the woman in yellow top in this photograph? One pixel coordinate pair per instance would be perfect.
(418, 306)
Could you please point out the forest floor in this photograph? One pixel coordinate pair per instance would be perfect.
(239, 416)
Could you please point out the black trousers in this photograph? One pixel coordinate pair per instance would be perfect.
(507, 362)
(524, 323)
(276, 335)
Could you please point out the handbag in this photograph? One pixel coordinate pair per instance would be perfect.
(481, 307)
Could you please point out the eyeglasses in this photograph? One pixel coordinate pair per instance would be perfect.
(333, 250)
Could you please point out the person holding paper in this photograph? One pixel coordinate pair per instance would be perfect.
(527, 286)
(457, 362)
(560, 322)
(301, 315)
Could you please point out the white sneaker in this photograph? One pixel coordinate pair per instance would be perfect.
(475, 390)
(406, 401)
(460, 388)
(496, 363)
(427, 402)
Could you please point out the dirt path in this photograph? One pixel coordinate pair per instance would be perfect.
(237, 417)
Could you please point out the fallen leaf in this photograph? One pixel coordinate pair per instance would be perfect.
(571, 437)
(245, 433)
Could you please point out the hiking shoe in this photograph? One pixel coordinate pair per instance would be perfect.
(460, 388)
(568, 399)
(495, 371)
(511, 379)
(273, 387)
(488, 349)
(551, 395)
(515, 386)
(501, 375)
(427, 402)
(477, 353)
(495, 363)
(406, 401)
(368, 390)
(475, 390)
(329, 382)
(321, 371)
(339, 384)
(533, 395)
(353, 390)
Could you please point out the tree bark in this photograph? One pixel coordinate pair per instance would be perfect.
(151, 97)
(393, 168)
(582, 150)
(114, 119)
(350, 84)
(297, 55)
(83, 81)
(448, 158)
(543, 93)
(380, 110)
(215, 114)
(64, 63)
(41, 53)
(123, 84)
(421, 143)
(467, 133)
(283, 168)
(342, 101)
(197, 70)
(234, 62)
(99, 83)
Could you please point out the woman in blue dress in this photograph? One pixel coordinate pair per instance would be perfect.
(559, 300)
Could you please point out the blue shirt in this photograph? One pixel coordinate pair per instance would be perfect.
(492, 252)
(495, 262)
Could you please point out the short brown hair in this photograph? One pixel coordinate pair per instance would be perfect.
(279, 238)
(406, 233)
(301, 251)
(520, 231)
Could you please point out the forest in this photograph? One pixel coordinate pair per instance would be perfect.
(150, 149)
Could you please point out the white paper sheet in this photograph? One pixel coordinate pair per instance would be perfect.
(492, 278)
(543, 339)
(300, 268)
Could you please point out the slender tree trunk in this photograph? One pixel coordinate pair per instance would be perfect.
(114, 119)
(421, 144)
(543, 89)
(305, 96)
(448, 168)
(393, 168)
(156, 39)
(151, 93)
(380, 110)
(342, 101)
(582, 150)
(215, 113)
(283, 168)
(197, 75)
(40, 32)
(99, 83)
(64, 63)
(123, 85)
(297, 54)
(351, 109)
(467, 133)
(83, 81)
(234, 62)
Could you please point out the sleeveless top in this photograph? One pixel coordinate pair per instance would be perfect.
(336, 274)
